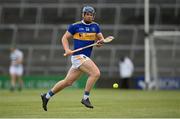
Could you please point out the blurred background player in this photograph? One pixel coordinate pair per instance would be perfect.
(84, 33)
(126, 69)
(16, 68)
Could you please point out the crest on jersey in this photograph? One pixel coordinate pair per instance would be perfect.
(93, 29)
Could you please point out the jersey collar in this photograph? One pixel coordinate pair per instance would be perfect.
(85, 23)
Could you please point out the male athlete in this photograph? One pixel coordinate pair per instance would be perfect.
(16, 68)
(84, 33)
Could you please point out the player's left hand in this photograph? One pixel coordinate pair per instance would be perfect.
(99, 43)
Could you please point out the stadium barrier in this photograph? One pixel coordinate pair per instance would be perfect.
(37, 81)
(41, 81)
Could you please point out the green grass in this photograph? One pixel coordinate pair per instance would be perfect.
(108, 104)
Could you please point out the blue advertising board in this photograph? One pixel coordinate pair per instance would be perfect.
(165, 83)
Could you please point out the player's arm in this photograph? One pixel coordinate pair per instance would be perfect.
(65, 42)
(100, 38)
(20, 59)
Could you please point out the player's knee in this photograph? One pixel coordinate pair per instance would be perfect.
(96, 74)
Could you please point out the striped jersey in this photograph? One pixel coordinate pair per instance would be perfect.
(83, 35)
(16, 55)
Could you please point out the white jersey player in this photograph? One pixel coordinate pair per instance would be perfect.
(16, 68)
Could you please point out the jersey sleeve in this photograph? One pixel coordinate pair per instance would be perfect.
(71, 29)
(20, 55)
(98, 30)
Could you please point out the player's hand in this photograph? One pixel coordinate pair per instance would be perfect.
(18, 62)
(68, 52)
(99, 43)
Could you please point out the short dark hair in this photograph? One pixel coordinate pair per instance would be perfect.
(122, 58)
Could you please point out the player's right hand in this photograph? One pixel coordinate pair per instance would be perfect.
(68, 52)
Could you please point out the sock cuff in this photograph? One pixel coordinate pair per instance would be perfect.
(51, 93)
(86, 93)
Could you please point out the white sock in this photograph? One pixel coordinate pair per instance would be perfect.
(85, 97)
(48, 96)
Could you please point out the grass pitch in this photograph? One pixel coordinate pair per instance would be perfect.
(108, 103)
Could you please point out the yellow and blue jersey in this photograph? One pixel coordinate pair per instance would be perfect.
(83, 35)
